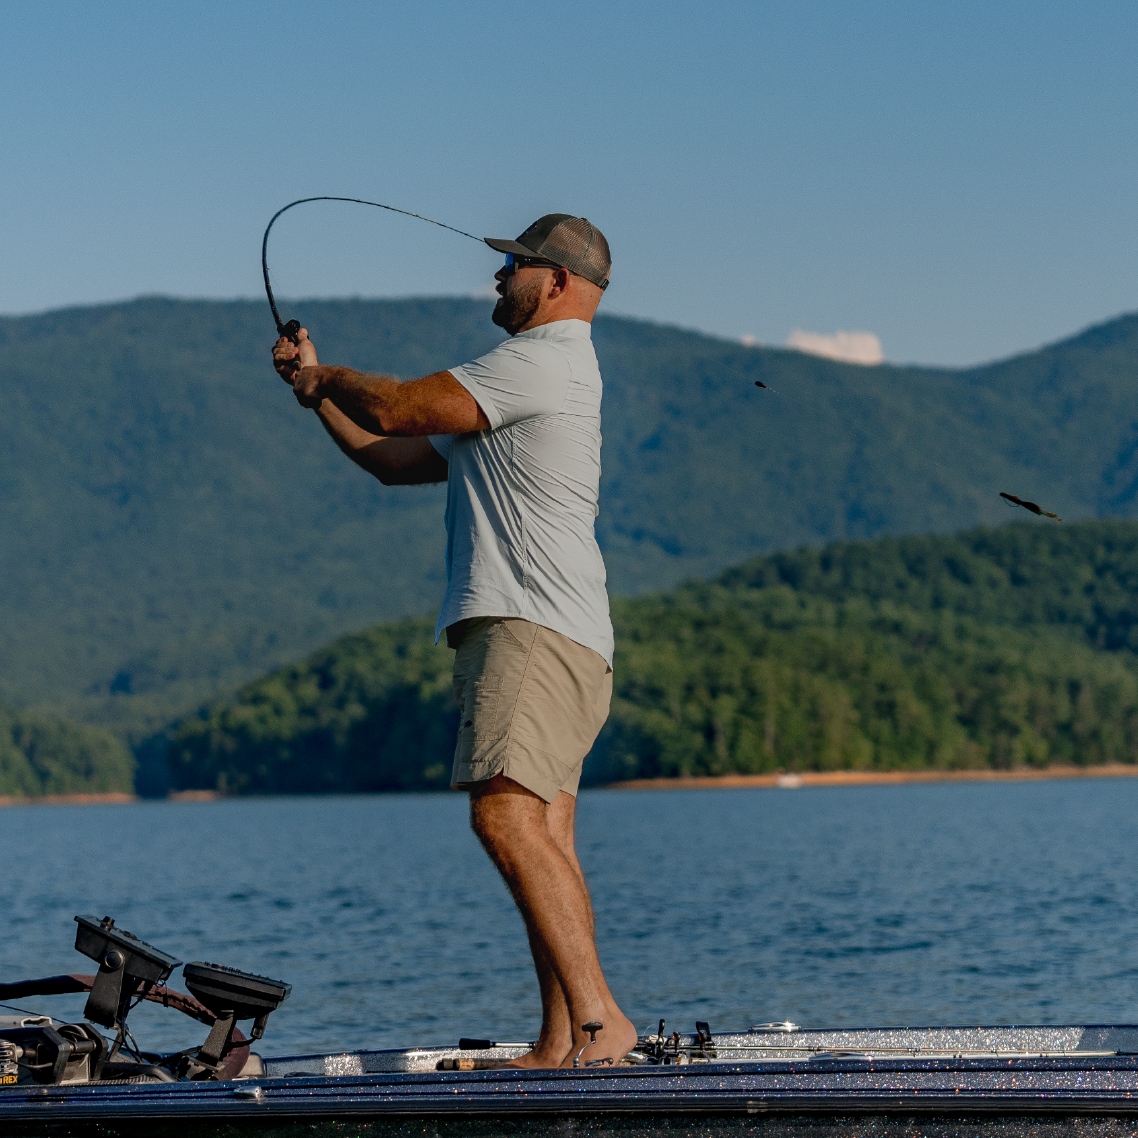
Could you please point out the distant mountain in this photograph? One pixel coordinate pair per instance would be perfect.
(172, 524)
(994, 648)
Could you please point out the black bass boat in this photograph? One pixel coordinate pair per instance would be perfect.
(778, 1078)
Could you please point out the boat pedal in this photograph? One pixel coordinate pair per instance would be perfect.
(592, 1028)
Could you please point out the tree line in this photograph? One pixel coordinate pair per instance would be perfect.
(992, 648)
(41, 755)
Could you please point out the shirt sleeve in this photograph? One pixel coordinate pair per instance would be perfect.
(520, 379)
(443, 444)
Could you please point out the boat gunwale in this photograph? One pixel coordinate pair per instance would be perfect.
(480, 1093)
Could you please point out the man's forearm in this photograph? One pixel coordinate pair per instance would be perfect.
(348, 435)
(394, 461)
(367, 400)
(437, 404)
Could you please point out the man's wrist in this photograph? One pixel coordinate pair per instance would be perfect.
(314, 378)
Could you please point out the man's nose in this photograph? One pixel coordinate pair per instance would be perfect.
(500, 275)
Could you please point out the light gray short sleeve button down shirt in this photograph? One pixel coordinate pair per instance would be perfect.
(522, 496)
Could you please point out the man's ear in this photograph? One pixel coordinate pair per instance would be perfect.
(559, 284)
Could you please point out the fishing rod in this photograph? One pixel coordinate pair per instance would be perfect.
(290, 330)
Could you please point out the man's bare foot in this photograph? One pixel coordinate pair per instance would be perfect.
(542, 1056)
(614, 1041)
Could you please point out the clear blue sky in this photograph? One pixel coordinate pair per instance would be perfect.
(959, 179)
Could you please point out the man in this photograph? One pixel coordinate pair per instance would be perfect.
(516, 437)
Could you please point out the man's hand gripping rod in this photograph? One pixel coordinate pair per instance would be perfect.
(290, 330)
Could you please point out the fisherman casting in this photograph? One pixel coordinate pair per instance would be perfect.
(516, 436)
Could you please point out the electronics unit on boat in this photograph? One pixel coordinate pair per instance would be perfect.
(35, 1049)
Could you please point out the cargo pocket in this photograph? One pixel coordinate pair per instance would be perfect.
(478, 705)
(488, 672)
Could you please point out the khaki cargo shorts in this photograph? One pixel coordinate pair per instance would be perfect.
(531, 703)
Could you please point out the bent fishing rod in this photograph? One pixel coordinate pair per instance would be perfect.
(289, 330)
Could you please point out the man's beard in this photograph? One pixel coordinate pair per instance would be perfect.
(518, 306)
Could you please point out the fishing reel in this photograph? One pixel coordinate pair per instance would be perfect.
(289, 331)
(676, 1049)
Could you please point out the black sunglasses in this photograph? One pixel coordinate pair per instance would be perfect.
(514, 262)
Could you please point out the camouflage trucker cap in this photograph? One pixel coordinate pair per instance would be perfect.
(574, 243)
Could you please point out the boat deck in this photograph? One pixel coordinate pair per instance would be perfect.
(876, 1082)
(775, 1046)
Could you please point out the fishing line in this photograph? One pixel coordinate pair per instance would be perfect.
(25, 1012)
(290, 330)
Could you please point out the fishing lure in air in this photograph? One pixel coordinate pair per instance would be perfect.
(1029, 506)
(290, 330)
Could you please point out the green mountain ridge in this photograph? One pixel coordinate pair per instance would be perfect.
(991, 648)
(173, 525)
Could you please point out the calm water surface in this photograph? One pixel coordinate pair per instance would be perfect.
(973, 903)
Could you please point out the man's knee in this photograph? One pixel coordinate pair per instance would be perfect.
(561, 818)
(500, 807)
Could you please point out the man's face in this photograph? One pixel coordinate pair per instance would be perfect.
(520, 295)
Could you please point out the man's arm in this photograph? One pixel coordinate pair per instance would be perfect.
(437, 404)
(394, 461)
(434, 405)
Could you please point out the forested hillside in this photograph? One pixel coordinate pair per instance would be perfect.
(996, 647)
(172, 524)
(41, 755)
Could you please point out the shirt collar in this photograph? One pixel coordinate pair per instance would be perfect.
(559, 330)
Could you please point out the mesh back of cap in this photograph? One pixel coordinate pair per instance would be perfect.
(581, 247)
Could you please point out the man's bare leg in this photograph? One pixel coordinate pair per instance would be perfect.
(516, 827)
(556, 1037)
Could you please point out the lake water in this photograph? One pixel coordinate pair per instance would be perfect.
(853, 906)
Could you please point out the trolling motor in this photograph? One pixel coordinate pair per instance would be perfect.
(34, 1049)
(42, 1052)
